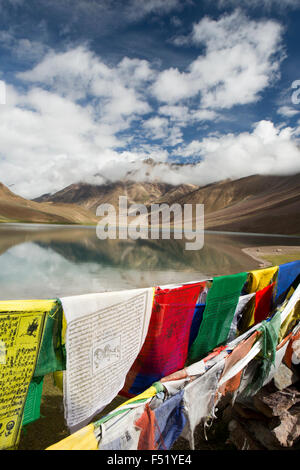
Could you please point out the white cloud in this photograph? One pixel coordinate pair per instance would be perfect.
(70, 73)
(73, 113)
(136, 9)
(205, 115)
(177, 113)
(241, 59)
(23, 49)
(265, 4)
(98, 15)
(78, 74)
(136, 72)
(184, 116)
(267, 150)
(64, 128)
(49, 141)
(287, 111)
(159, 128)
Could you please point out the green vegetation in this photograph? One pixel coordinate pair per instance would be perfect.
(10, 221)
(283, 258)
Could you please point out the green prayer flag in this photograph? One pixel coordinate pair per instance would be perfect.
(157, 385)
(270, 333)
(52, 354)
(33, 401)
(221, 302)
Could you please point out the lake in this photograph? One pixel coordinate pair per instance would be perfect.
(48, 261)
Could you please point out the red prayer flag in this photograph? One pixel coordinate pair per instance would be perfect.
(263, 300)
(166, 345)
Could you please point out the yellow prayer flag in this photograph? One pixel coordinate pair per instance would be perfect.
(261, 278)
(84, 439)
(289, 323)
(63, 329)
(26, 305)
(58, 379)
(21, 331)
(149, 393)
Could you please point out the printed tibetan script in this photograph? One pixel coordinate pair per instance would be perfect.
(101, 347)
(20, 335)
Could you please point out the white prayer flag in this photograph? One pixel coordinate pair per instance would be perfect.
(105, 333)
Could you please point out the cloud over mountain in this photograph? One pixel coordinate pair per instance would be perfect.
(71, 115)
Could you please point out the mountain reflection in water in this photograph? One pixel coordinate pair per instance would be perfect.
(49, 261)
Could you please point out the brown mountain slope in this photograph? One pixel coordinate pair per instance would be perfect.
(90, 196)
(16, 208)
(226, 193)
(260, 215)
(258, 204)
(261, 204)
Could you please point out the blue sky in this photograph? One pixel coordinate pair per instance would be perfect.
(93, 88)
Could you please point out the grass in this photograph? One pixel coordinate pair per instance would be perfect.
(6, 221)
(281, 259)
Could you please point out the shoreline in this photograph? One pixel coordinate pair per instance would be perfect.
(38, 225)
(264, 254)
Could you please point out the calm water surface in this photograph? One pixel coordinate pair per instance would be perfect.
(42, 261)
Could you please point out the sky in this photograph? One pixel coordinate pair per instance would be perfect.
(93, 88)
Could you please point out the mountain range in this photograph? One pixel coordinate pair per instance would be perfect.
(15, 208)
(255, 204)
